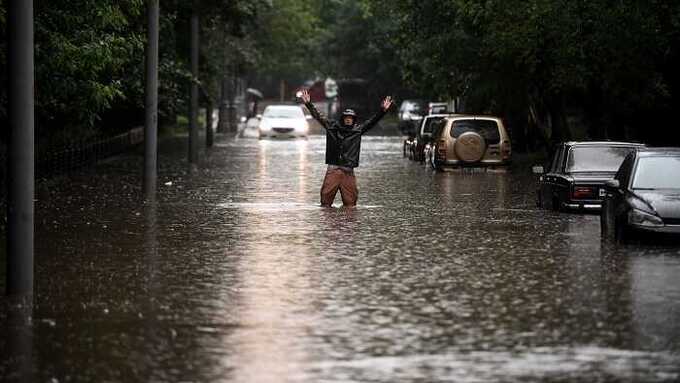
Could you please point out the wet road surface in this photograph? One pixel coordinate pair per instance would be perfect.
(237, 275)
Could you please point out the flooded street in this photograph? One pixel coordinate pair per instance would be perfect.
(237, 275)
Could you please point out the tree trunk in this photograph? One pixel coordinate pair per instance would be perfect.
(209, 123)
(193, 107)
(223, 115)
(282, 91)
(558, 120)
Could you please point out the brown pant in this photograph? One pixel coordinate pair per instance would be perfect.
(339, 179)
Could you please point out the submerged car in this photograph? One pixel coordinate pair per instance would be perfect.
(283, 121)
(577, 172)
(470, 141)
(414, 147)
(644, 196)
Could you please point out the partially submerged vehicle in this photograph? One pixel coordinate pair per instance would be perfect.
(575, 177)
(469, 141)
(283, 121)
(644, 195)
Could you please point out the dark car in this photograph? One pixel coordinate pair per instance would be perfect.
(575, 177)
(413, 147)
(644, 196)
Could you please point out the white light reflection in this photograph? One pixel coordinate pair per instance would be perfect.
(274, 310)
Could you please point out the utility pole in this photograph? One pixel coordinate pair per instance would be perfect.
(151, 103)
(193, 112)
(21, 167)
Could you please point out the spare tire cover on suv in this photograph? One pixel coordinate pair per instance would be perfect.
(470, 147)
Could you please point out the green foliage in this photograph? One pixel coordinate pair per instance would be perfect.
(286, 38)
(545, 65)
(542, 60)
(87, 58)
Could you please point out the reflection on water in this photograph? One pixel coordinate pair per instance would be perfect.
(17, 340)
(236, 274)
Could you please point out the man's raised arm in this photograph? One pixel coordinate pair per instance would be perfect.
(307, 99)
(373, 121)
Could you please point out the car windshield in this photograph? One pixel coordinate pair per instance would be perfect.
(661, 172)
(596, 158)
(488, 129)
(283, 113)
(430, 124)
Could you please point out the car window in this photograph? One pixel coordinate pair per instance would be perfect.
(596, 158)
(488, 129)
(270, 112)
(661, 172)
(438, 128)
(430, 124)
(623, 174)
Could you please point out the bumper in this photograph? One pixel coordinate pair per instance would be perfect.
(572, 205)
(274, 134)
(480, 164)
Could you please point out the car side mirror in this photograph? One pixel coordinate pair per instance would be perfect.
(537, 169)
(259, 116)
(309, 116)
(612, 184)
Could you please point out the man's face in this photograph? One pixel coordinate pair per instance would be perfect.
(348, 120)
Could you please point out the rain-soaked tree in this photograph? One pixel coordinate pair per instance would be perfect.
(554, 68)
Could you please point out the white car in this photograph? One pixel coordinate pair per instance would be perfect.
(283, 121)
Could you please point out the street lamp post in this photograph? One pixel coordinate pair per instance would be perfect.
(21, 167)
(151, 103)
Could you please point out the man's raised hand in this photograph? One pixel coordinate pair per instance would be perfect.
(387, 103)
(304, 95)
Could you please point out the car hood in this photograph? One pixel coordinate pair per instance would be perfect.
(592, 178)
(282, 122)
(666, 203)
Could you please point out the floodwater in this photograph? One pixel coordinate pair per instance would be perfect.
(236, 275)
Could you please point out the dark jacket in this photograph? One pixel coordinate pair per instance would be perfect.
(343, 143)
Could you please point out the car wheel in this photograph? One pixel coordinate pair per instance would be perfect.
(606, 228)
(622, 233)
(436, 166)
(554, 204)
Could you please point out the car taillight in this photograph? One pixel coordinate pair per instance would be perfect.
(441, 150)
(505, 149)
(584, 192)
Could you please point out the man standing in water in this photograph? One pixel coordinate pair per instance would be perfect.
(343, 144)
